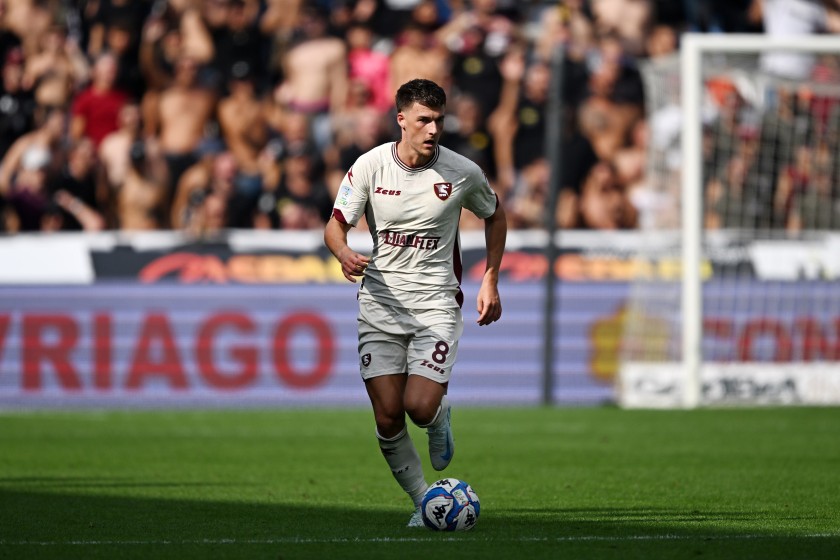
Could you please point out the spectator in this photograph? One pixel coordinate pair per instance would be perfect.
(723, 16)
(614, 101)
(603, 204)
(418, 54)
(302, 199)
(17, 105)
(361, 131)
(204, 195)
(527, 203)
(96, 109)
(38, 151)
(791, 18)
(113, 22)
(27, 195)
(241, 120)
(817, 206)
(9, 40)
(238, 41)
(29, 22)
(369, 67)
(115, 149)
(468, 134)
(518, 124)
(141, 200)
(315, 75)
(477, 39)
(269, 77)
(57, 69)
(725, 195)
(77, 190)
(181, 115)
(628, 20)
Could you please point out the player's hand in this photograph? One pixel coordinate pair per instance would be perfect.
(353, 264)
(489, 305)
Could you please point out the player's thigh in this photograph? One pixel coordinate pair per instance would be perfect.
(386, 397)
(383, 343)
(433, 349)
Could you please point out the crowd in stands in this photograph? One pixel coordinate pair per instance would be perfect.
(202, 115)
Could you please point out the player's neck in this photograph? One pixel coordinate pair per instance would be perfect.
(411, 158)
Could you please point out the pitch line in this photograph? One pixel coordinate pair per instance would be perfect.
(429, 539)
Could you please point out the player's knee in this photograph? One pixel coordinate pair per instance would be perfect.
(421, 409)
(390, 420)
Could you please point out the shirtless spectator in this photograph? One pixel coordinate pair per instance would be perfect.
(114, 154)
(418, 55)
(114, 150)
(57, 69)
(183, 111)
(242, 121)
(278, 22)
(9, 40)
(143, 196)
(315, 71)
(96, 109)
(630, 20)
(29, 20)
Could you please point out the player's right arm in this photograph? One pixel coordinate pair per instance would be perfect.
(353, 264)
(350, 203)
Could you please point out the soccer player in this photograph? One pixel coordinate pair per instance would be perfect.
(411, 193)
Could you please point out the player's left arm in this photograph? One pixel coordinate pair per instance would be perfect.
(488, 303)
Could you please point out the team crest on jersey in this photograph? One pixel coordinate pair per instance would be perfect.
(443, 190)
(366, 360)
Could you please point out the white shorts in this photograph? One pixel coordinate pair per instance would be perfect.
(414, 341)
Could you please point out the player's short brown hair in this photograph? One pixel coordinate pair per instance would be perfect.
(424, 92)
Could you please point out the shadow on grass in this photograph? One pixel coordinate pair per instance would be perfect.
(68, 524)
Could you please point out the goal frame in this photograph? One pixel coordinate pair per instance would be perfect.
(692, 48)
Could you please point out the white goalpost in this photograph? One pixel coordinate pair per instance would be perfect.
(754, 315)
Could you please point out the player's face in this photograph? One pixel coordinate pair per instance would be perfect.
(422, 127)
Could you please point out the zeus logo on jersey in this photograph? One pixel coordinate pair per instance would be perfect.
(392, 192)
(397, 239)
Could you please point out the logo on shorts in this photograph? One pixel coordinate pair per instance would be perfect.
(443, 190)
(366, 360)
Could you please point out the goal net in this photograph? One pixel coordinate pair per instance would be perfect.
(742, 208)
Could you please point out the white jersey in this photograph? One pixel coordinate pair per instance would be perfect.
(413, 216)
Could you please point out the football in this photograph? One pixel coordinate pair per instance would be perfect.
(450, 505)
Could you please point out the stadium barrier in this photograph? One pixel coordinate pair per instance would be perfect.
(251, 319)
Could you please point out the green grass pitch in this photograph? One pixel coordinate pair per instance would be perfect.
(554, 483)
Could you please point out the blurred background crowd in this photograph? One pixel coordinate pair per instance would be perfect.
(202, 115)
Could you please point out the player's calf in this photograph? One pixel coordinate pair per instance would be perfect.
(441, 439)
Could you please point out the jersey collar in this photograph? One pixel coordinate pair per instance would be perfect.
(413, 169)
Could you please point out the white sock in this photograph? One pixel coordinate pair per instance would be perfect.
(402, 457)
(440, 415)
